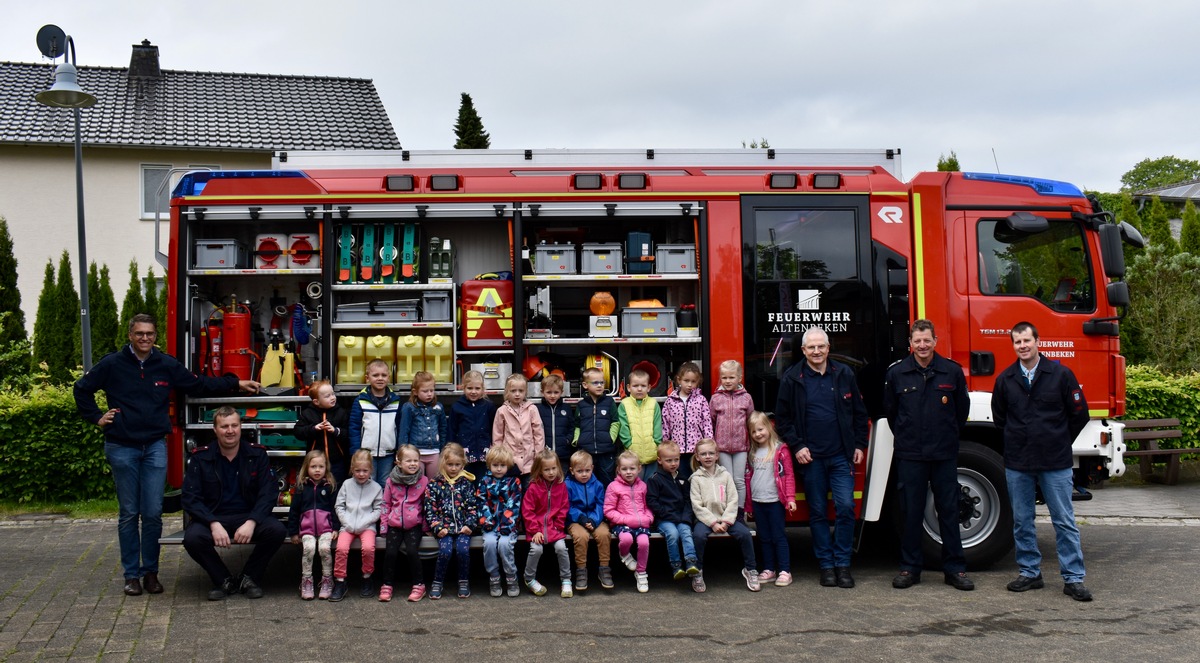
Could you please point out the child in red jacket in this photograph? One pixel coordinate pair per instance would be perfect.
(770, 488)
(544, 509)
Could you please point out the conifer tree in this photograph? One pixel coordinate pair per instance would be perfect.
(152, 306)
(469, 127)
(106, 336)
(67, 324)
(12, 324)
(1189, 237)
(1157, 227)
(43, 324)
(133, 303)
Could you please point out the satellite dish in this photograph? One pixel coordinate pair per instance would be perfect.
(52, 41)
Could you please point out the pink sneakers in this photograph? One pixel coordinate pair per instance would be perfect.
(306, 588)
(385, 593)
(417, 593)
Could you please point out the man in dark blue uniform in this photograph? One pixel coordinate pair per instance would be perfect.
(926, 403)
(229, 493)
(820, 414)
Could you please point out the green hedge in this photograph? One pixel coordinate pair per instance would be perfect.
(46, 451)
(1152, 394)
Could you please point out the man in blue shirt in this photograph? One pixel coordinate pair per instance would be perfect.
(821, 416)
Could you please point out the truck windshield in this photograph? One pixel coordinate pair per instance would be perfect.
(1050, 266)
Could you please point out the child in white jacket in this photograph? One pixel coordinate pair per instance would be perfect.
(358, 505)
(715, 503)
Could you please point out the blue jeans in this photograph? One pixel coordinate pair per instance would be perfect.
(823, 476)
(769, 517)
(497, 549)
(740, 533)
(139, 474)
(677, 535)
(383, 467)
(1057, 486)
(453, 545)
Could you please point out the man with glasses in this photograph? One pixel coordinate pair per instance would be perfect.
(137, 382)
(821, 417)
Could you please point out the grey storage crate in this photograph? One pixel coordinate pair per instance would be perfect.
(435, 306)
(602, 258)
(675, 259)
(554, 259)
(397, 310)
(648, 322)
(221, 254)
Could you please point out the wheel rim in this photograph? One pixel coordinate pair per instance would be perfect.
(979, 509)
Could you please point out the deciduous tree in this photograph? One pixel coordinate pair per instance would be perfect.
(1163, 171)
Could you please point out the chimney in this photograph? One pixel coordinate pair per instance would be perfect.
(144, 62)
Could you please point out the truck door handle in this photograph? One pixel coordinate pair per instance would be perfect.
(982, 362)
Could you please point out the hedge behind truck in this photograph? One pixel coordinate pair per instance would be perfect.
(49, 454)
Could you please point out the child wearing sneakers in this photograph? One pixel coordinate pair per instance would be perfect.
(359, 504)
(451, 511)
(714, 502)
(772, 488)
(470, 422)
(586, 521)
(668, 499)
(558, 419)
(625, 507)
(641, 422)
(544, 510)
(731, 406)
(313, 522)
(402, 521)
(499, 498)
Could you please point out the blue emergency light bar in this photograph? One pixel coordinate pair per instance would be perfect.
(193, 183)
(1043, 187)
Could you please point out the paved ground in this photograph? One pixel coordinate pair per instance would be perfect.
(60, 598)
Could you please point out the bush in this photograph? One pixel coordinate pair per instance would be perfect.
(1152, 394)
(50, 453)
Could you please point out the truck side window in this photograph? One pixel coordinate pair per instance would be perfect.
(1050, 266)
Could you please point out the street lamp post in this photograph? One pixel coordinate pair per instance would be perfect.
(66, 93)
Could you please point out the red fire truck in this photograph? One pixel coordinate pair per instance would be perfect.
(553, 260)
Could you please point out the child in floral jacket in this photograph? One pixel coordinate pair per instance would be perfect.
(499, 517)
(451, 512)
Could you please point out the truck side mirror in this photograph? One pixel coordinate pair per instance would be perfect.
(1132, 236)
(1118, 293)
(1111, 255)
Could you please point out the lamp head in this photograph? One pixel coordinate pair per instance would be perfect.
(66, 93)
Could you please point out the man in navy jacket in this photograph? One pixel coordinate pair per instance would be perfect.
(229, 493)
(925, 400)
(138, 381)
(821, 415)
(1039, 406)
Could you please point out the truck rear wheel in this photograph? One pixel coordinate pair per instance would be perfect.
(985, 514)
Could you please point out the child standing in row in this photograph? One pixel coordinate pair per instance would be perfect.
(586, 518)
(312, 521)
(714, 501)
(625, 507)
(544, 510)
(686, 417)
(558, 422)
(731, 406)
(373, 419)
(358, 507)
(451, 510)
(324, 425)
(499, 498)
(596, 425)
(402, 521)
(668, 499)
(772, 487)
(518, 426)
(423, 422)
(641, 429)
(470, 422)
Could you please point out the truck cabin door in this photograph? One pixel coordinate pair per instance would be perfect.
(807, 261)
(1034, 268)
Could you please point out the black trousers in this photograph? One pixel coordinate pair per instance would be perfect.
(411, 540)
(268, 536)
(913, 479)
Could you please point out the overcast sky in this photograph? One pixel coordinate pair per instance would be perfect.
(1077, 91)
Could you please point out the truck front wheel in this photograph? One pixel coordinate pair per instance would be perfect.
(984, 516)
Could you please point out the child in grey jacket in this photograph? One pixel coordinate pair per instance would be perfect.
(358, 505)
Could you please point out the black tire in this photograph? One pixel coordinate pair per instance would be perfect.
(985, 514)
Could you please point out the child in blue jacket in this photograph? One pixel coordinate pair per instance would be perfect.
(470, 422)
(585, 520)
(423, 423)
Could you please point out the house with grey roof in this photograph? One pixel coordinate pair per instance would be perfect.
(147, 122)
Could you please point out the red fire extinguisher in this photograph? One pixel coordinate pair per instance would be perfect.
(210, 344)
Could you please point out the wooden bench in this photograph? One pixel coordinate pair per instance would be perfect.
(1147, 433)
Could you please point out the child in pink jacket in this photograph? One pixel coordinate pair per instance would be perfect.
(625, 508)
(518, 426)
(687, 418)
(403, 521)
(544, 510)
